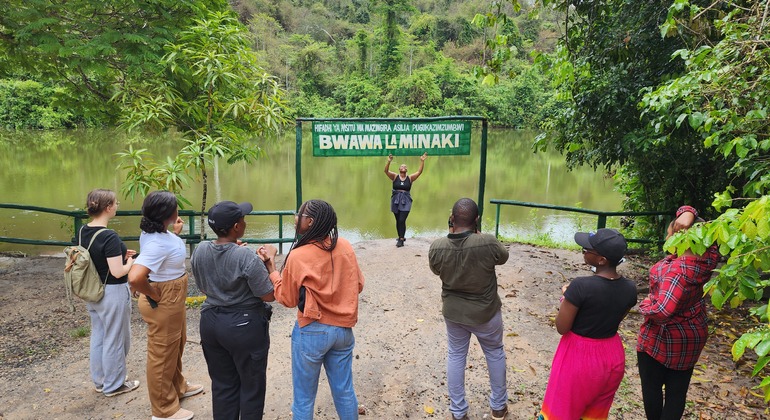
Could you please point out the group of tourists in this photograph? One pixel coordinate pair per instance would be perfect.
(321, 277)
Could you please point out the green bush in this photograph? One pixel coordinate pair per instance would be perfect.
(30, 104)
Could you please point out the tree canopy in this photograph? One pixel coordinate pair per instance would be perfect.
(89, 47)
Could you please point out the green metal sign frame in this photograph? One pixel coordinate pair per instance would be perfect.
(402, 136)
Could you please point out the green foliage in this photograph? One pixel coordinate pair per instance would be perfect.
(724, 96)
(214, 91)
(91, 46)
(390, 33)
(359, 97)
(29, 104)
(419, 90)
(316, 48)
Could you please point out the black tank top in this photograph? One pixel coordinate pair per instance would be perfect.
(404, 185)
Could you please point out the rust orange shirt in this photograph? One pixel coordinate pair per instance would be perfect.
(332, 283)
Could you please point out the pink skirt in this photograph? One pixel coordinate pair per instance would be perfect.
(585, 374)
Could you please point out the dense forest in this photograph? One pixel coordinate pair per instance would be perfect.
(333, 58)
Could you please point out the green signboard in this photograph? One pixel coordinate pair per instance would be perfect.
(383, 137)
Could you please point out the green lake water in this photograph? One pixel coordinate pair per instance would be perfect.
(57, 169)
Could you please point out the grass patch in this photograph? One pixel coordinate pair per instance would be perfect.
(80, 332)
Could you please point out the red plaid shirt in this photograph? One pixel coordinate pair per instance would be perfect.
(675, 327)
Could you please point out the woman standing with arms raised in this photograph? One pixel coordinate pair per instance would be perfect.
(400, 198)
(321, 277)
(110, 317)
(159, 275)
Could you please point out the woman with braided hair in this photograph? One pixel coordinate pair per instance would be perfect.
(321, 277)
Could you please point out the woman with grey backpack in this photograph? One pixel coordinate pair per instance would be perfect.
(110, 316)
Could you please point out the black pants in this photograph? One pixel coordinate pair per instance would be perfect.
(654, 376)
(401, 223)
(235, 344)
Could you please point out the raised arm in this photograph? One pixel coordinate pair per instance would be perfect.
(685, 217)
(391, 175)
(413, 177)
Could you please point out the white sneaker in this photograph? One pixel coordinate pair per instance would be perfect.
(182, 414)
(192, 389)
(127, 386)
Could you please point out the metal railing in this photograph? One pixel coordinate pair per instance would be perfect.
(191, 237)
(601, 216)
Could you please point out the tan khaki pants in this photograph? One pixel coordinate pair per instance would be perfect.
(166, 338)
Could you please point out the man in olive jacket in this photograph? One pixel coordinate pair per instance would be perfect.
(465, 261)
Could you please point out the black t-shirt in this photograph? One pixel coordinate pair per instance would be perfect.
(106, 245)
(402, 184)
(602, 303)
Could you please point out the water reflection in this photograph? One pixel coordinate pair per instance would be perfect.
(57, 169)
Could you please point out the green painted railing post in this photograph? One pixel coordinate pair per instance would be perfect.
(191, 230)
(482, 169)
(78, 224)
(280, 233)
(601, 221)
(298, 163)
(497, 221)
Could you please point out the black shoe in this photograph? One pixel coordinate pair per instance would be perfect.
(399, 243)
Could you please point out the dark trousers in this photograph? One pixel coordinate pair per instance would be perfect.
(235, 345)
(654, 376)
(401, 223)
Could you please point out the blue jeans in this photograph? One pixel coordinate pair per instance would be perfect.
(318, 344)
(490, 336)
(110, 337)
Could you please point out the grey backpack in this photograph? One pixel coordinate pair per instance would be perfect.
(80, 276)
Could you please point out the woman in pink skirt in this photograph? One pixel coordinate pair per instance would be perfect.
(589, 362)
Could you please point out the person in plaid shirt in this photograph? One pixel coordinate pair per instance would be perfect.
(675, 326)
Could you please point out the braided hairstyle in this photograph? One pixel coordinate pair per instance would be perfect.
(157, 208)
(324, 226)
(98, 200)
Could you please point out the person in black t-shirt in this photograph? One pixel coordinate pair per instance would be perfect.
(589, 362)
(401, 198)
(110, 327)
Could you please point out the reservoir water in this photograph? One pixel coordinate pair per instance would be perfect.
(57, 169)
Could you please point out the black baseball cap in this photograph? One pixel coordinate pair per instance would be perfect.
(608, 243)
(226, 213)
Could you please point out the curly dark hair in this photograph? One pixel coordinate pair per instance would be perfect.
(325, 226)
(157, 208)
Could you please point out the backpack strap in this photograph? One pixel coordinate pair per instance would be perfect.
(89, 250)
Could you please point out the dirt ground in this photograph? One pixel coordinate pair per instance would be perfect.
(399, 367)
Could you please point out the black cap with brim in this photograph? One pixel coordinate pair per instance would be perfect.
(226, 213)
(608, 243)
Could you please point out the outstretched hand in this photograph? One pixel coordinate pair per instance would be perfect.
(424, 156)
(390, 158)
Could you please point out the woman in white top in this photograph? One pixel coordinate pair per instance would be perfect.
(159, 280)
